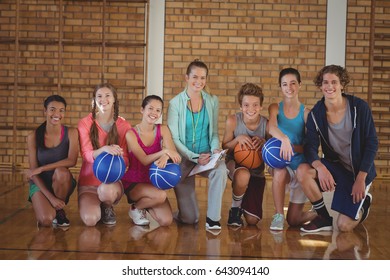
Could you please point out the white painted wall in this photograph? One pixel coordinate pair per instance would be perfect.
(336, 27)
(155, 67)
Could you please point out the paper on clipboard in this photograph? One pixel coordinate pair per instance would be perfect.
(212, 163)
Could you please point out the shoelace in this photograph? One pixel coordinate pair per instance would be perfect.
(60, 214)
(109, 212)
(143, 214)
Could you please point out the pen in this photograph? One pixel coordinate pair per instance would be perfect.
(195, 158)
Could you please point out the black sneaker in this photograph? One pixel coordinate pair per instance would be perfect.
(108, 215)
(319, 223)
(366, 207)
(61, 220)
(210, 224)
(235, 217)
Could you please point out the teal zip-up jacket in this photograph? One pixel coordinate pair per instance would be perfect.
(177, 113)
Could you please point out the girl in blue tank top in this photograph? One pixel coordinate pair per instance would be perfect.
(287, 123)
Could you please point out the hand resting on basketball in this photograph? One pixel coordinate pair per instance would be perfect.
(286, 149)
(113, 149)
(258, 142)
(246, 142)
(169, 155)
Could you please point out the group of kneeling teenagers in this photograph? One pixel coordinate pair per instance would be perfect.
(340, 124)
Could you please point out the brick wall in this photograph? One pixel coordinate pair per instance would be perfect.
(244, 41)
(63, 50)
(240, 40)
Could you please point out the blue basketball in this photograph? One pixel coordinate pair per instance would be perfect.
(271, 154)
(109, 168)
(165, 178)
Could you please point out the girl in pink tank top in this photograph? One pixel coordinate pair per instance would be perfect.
(148, 142)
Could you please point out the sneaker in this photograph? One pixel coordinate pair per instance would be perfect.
(108, 215)
(210, 224)
(61, 220)
(366, 207)
(318, 224)
(138, 216)
(235, 217)
(277, 222)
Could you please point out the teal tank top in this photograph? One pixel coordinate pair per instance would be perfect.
(295, 130)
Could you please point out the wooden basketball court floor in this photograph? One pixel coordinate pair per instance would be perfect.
(21, 239)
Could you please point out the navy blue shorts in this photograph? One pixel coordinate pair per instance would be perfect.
(342, 199)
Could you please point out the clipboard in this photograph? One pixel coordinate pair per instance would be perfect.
(214, 159)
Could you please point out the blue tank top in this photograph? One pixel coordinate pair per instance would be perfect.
(197, 131)
(295, 130)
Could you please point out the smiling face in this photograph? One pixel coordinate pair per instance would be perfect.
(104, 99)
(152, 111)
(196, 80)
(331, 86)
(251, 107)
(290, 85)
(54, 112)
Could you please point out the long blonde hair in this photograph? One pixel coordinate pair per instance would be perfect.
(113, 133)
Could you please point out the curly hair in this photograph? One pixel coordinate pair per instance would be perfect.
(339, 71)
(251, 90)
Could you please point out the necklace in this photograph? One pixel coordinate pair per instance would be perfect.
(195, 123)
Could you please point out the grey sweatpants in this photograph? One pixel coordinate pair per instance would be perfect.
(186, 196)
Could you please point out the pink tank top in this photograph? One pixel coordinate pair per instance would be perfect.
(137, 172)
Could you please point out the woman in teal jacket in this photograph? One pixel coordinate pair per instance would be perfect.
(193, 121)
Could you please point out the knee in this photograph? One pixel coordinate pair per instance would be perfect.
(62, 174)
(344, 227)
(250, 220)
(189, 219)
(279, 174)
(165, 220)
(46, 220)
(161, 196)
(90, 220)
(108, 193)
(242, 175)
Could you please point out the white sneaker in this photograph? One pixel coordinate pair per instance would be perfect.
(138, 216)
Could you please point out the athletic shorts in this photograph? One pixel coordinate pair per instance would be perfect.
(342, 200)
(252, 202)
(297, 195)
(127, 190)
(34, 188)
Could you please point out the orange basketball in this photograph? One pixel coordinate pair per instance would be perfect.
(247, 158)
